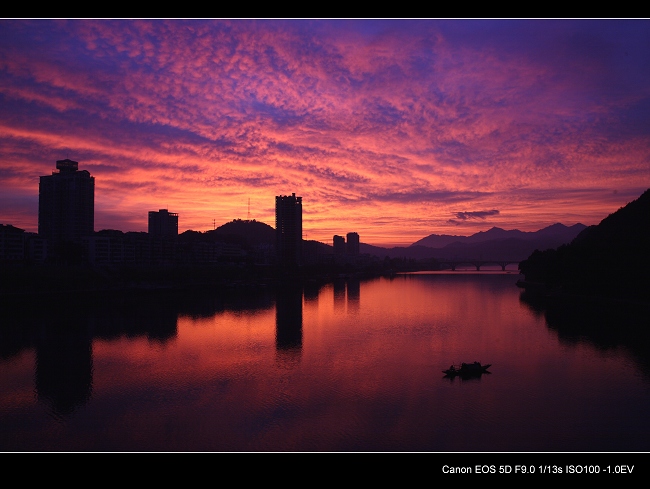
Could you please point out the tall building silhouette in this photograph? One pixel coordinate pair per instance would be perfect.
(338, 245)
(163, 223)
(353, 244)
(288, 229)
(66, 203)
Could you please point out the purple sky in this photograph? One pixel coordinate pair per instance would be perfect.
(395, 129)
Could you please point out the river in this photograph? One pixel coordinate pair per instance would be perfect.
(354, 365)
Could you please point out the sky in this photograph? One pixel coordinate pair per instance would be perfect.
(395, 129)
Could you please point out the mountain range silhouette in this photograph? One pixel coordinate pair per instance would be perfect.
(611, 258)
(495, 243)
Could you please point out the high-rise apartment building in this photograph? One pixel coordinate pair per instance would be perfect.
(353, 244)
(338, 245)
(163, 223)
(288, 229)
(66, 203)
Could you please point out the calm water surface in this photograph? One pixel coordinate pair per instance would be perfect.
(353, 365)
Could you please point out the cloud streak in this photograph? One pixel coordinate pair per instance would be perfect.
(398, 122)
(462, 217)
(476, 214)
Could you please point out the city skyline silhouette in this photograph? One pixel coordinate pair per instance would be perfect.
(262, 235)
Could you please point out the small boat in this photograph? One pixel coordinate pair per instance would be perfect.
(467, 369)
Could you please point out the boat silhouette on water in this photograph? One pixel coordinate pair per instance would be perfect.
(467, 370)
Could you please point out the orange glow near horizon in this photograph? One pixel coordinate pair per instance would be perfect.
(393, 129)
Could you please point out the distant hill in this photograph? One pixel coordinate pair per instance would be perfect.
(612, 258)
(252, 231)
(242, 232)
(496, 243)
(439, 240)
(413, 252)
(556, 233)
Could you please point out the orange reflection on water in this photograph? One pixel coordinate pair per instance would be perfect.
(202, 347)
(352, 365)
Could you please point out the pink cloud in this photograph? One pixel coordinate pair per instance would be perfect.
(182, 113)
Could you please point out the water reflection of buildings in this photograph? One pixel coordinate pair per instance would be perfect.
(64, 368)
(354, 294)
(312, 291)
(62, 335)
(339, 293)
(347, 291)
(288, 324)
(62, 332)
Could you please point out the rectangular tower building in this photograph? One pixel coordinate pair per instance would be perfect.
(288, 229)
(353, 244)
(338, 245)
(163, 224)
(66, 204)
